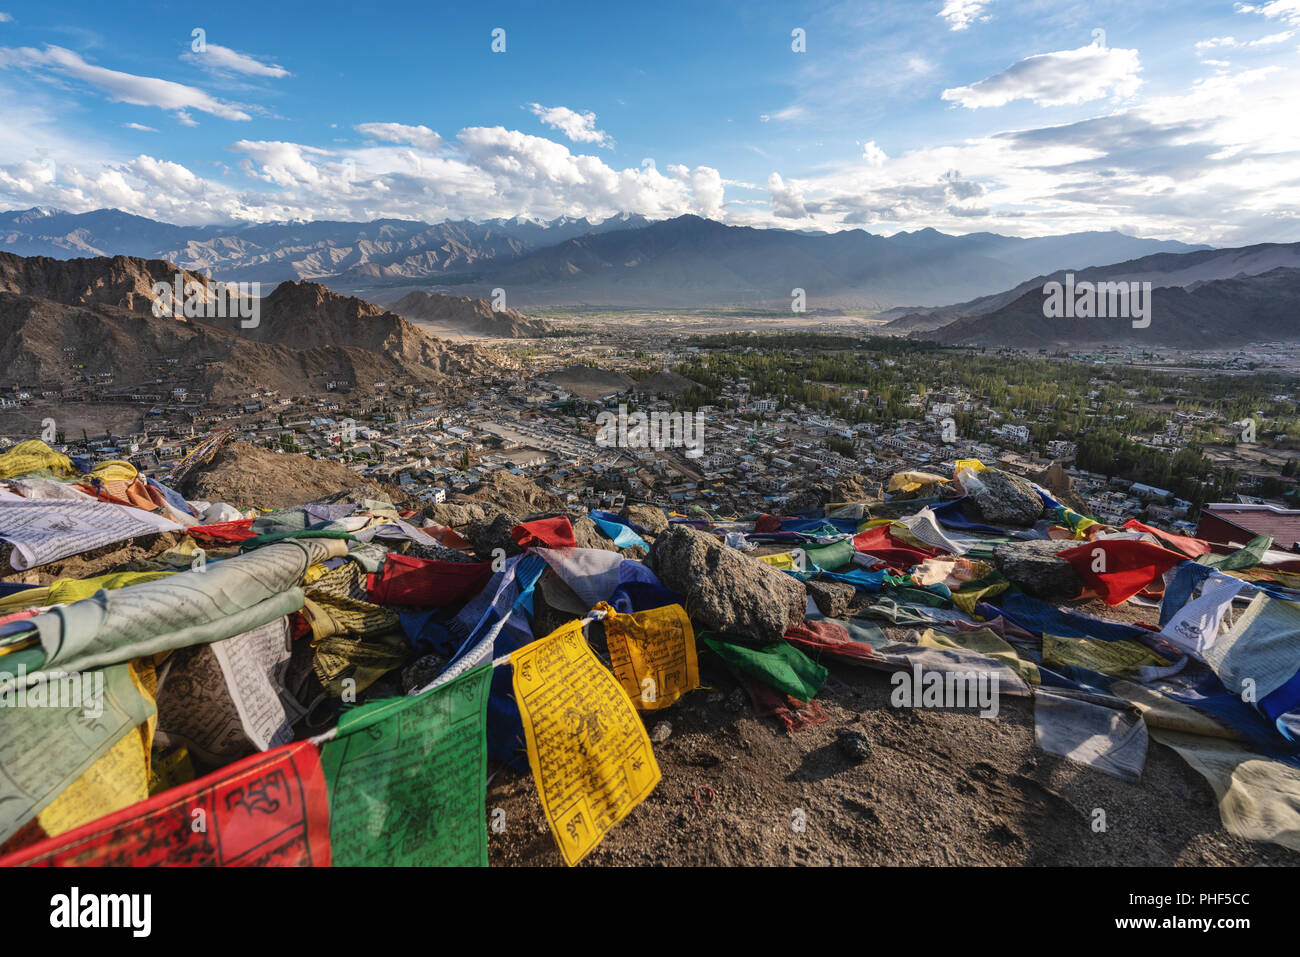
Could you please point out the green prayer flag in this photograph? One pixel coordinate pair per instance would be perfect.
(832, 556)
(406, 778)
(780, 664)
(1248, 556)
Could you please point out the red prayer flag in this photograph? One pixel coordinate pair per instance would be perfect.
(893, 551)
(426, 582)
(1117, 569)
(552, 532)
(270, 809)
(236, 531)
(1192, 547)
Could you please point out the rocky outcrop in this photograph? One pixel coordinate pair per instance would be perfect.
(725, 590)
(652, 519)
(474, 317)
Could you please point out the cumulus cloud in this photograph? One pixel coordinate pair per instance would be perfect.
(873, 154)
(122, 87)
(1056, 79)
(284, 164)
(421, 136)
(706, 188)
(578, 127)
(960, 14)
(787, 198)
(219, 59)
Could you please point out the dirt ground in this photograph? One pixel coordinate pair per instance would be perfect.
(939, 788)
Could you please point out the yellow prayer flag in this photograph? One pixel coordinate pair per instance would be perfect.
(652, 654)
(590, 754)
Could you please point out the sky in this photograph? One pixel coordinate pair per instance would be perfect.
(1176, 120)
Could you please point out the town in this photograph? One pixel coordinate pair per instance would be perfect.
(1134, 434)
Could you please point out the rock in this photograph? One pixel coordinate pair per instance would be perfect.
(459, 514)
(810, 499)
(1054, 479)
(661, 732)
(725, 590)
(511, 493)
(854, 487)
(832, 598)
(1035, 569)
(1004, 499)
(652, 519)
(487, 536)
(854, 745)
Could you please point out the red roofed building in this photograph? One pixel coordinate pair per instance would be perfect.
(1233, 524)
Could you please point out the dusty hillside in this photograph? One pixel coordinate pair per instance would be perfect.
(939, 788)
(470, 316)
(97, 314)
(246, 475)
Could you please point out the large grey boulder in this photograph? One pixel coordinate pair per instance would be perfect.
(725, 590)
(1000, 498)
(1035, 569)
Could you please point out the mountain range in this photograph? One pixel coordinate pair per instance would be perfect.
(1199, 300)
(622, 262)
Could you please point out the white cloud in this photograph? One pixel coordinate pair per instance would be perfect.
(1056, 79)
(284, 164)
(122, 87)
(421, 136)
(1234, 44)
(789, 113)
(706, 188)
(139, 126)
(578, 127)
(5, 17)
(873, 154)
(219, 59)
(960, 14)
(787, 198)
(1288, 11)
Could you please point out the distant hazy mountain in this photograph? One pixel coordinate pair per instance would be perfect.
(1205, 299)
(381, 252)
(623, 261)
(1162, 269)
(473, 317)
(689, 261)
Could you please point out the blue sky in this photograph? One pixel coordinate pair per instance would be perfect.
(1177, 120)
